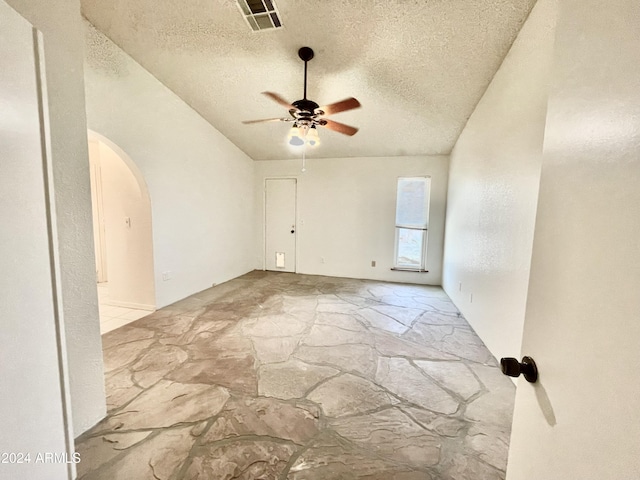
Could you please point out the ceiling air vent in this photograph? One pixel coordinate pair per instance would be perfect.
(260, 14)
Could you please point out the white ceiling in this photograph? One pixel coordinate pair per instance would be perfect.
(418, 67)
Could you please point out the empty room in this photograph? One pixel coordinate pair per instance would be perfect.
(276, 239)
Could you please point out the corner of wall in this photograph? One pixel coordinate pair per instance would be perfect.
(493, 189)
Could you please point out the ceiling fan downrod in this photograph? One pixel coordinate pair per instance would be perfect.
(305, 54)
(306, 109)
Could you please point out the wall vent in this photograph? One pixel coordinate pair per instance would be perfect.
(260, 14)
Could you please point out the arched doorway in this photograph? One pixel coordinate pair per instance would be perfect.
(122, 235)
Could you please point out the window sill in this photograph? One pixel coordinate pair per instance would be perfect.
(416, 270)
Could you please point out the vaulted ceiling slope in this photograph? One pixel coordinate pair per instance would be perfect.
(418, 67)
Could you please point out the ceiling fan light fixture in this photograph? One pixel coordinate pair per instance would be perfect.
(313, 139)
(296, 136)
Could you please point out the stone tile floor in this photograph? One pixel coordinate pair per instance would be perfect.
(284, 376)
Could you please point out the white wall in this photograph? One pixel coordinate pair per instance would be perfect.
(200, 184)
(493, 190)
(59, 21)
(583, 310)
(129, 247)
(346, 214)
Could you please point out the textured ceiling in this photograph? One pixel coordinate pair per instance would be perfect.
(418, 67)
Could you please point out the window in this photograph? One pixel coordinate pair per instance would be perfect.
(412, 218)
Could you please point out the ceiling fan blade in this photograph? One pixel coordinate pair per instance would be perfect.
(339, 127)
(246, 122)
(278, 99)
(342, 106)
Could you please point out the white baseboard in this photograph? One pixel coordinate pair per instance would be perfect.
(138, 306)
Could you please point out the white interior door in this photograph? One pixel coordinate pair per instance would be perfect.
(581, 421)
(280, 224)
(34, 407)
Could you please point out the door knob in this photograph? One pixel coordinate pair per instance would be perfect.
(513, 368)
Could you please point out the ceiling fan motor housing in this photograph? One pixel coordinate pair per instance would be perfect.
(306, 106)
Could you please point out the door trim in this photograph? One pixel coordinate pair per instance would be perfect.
(264, 220)
(101, 251)
(54, 255)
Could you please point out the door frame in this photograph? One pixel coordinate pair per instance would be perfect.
(44, 317)
(101, 252)
(264, 219)
(133, 168)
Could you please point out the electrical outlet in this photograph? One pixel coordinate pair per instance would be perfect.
(373, 263)
(166, 275)
(471, 298)
(460, 287)
(321, 259)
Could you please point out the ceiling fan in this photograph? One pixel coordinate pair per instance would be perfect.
(306, 114)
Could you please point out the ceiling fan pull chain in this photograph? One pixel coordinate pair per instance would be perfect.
(304, 157)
